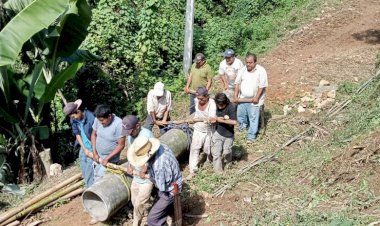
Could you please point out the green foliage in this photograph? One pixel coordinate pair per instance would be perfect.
(139, 45)
(43, 38)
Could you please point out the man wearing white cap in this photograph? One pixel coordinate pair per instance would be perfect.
(159, 103)
(228, 70)
(163, 171)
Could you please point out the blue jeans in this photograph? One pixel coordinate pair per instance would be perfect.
(192, 103)
(87, 168)
(248, 115)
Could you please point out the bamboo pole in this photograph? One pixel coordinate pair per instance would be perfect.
(43, 202)
(16, 210)
(68, 196)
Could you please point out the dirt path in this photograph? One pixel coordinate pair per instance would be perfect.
(340, 45)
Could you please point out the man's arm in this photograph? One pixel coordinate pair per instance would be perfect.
(224, 81)
(93, 144)
(259, 93)
(80, 141)
(117, 150)
(189, 79)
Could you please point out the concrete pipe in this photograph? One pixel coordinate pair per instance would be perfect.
(110, 193)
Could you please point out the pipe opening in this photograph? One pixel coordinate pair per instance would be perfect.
(95, 206)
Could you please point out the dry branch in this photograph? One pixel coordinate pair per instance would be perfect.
(222, 189)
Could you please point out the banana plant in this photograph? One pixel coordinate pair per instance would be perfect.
(47, 34)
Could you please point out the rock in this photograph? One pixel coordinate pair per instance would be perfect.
(331, 94)
(325, 103)
(306, 99)
(324, 83)
(286, 109)
(55, 169)
(323, 89)
(300, 109)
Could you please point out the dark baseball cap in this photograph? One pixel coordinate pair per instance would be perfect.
(229, 53)
(129, 123)
(201, 91)
(71, 107)
(198, 57)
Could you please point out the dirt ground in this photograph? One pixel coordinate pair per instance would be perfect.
(339, 45)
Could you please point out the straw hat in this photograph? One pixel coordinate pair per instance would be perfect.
(141, 150)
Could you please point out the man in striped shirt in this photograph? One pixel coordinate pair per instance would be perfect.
(163, 171)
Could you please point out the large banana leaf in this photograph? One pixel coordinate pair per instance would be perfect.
(15, 6)
(35, 17)
(5, 82)
(72, 29)
(37, 71)
(56, 83)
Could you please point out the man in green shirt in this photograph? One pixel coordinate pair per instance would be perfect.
(200, 76)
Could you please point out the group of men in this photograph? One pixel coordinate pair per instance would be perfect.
(102, 135)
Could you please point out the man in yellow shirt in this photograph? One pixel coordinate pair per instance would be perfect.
(200, 76)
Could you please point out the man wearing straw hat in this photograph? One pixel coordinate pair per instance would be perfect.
(163, 171)
(141, 188)
(81, 121)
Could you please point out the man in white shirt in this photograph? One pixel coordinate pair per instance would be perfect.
(250, 92)
(228, 70)
(205, 108)
(159, 103)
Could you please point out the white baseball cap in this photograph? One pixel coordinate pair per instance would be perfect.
(158, 89)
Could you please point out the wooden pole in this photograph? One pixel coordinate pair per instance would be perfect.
(16, 210)
(43, 202)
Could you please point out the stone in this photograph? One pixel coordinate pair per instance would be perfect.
(331, 94)
(286, 109)
(55, 169)
(324, 83)
(306, 99)
(300, 109)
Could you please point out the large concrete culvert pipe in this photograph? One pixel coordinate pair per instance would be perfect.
(110, 193)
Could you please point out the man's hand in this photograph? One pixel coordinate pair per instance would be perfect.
(104, 162)
(212, 120)
(186, 89)
(255, 100)
(95, 157)
(235, 100)
(129, 169)
(161, 123)
(87, 152)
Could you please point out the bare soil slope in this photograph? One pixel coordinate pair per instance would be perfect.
(340, 45)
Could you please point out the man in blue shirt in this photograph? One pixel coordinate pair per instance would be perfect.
(163, 171)
(81, 121)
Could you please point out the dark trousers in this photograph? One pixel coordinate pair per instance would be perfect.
(161, 209)
(192, 103)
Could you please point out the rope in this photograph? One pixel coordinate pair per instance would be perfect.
(123, 178)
